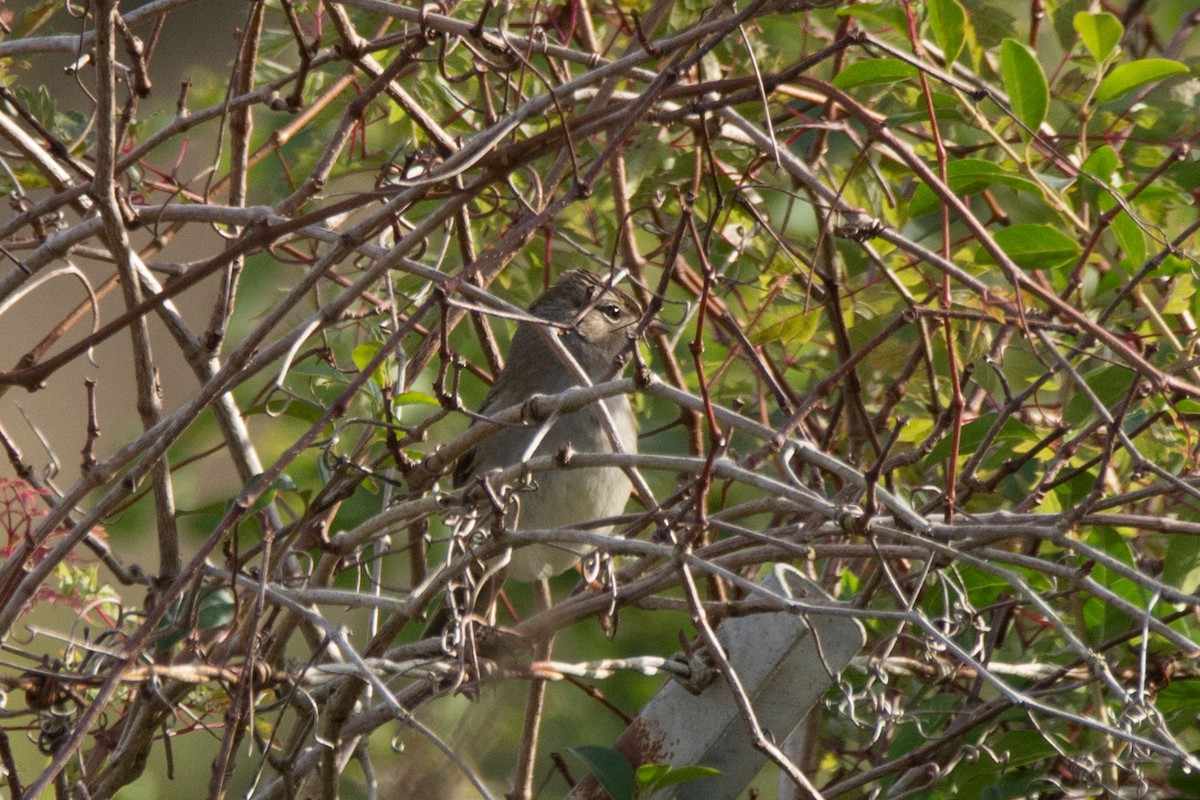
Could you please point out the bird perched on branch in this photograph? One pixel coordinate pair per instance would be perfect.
(595, 323)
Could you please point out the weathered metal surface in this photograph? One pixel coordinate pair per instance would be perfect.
(784, 672)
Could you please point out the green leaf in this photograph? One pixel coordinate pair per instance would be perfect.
(1185, 174)
(1098, 175)
(283, 483)
(1003, 779)
(1025, 83)
(1103, 618)
(1109, 384)
(1013, 431)
(649, 774)
(983, 588)
(364, 353)
(1179, 297)
(1131, 238)
(946, 109)
(1102, 163)
(664, 776)
(1100, 33)
(416, 399)
(362, 356)
(948, 22)
(886, 14)
(34, 17)
(215, 610)
(992, 26)
(971, 176)
(1128, 77)
(878, 70)
(785, 325)
(612, 770)
(1036, 246)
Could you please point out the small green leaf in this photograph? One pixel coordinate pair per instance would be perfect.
(1102, 163)
(1025, 83)
(1036, 246)
(1128, 77)
(415, 399)
(216, 609)
(1181, 566)
(364, 353)
(886, 14)
(672, 777)
(612, 770)
(650, 774)
(1179, 298)
(970, 176)
(1131, 238)
(1109, 384)
(785, 325)
(283, 483)
(1100, 33)
(1024, 747)
(948, 22)
(879, 70)
(34, 17)
(1014, 432)
(1098, 174)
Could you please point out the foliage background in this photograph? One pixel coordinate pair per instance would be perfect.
(928, 267)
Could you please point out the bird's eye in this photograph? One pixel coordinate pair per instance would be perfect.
(610, 310)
